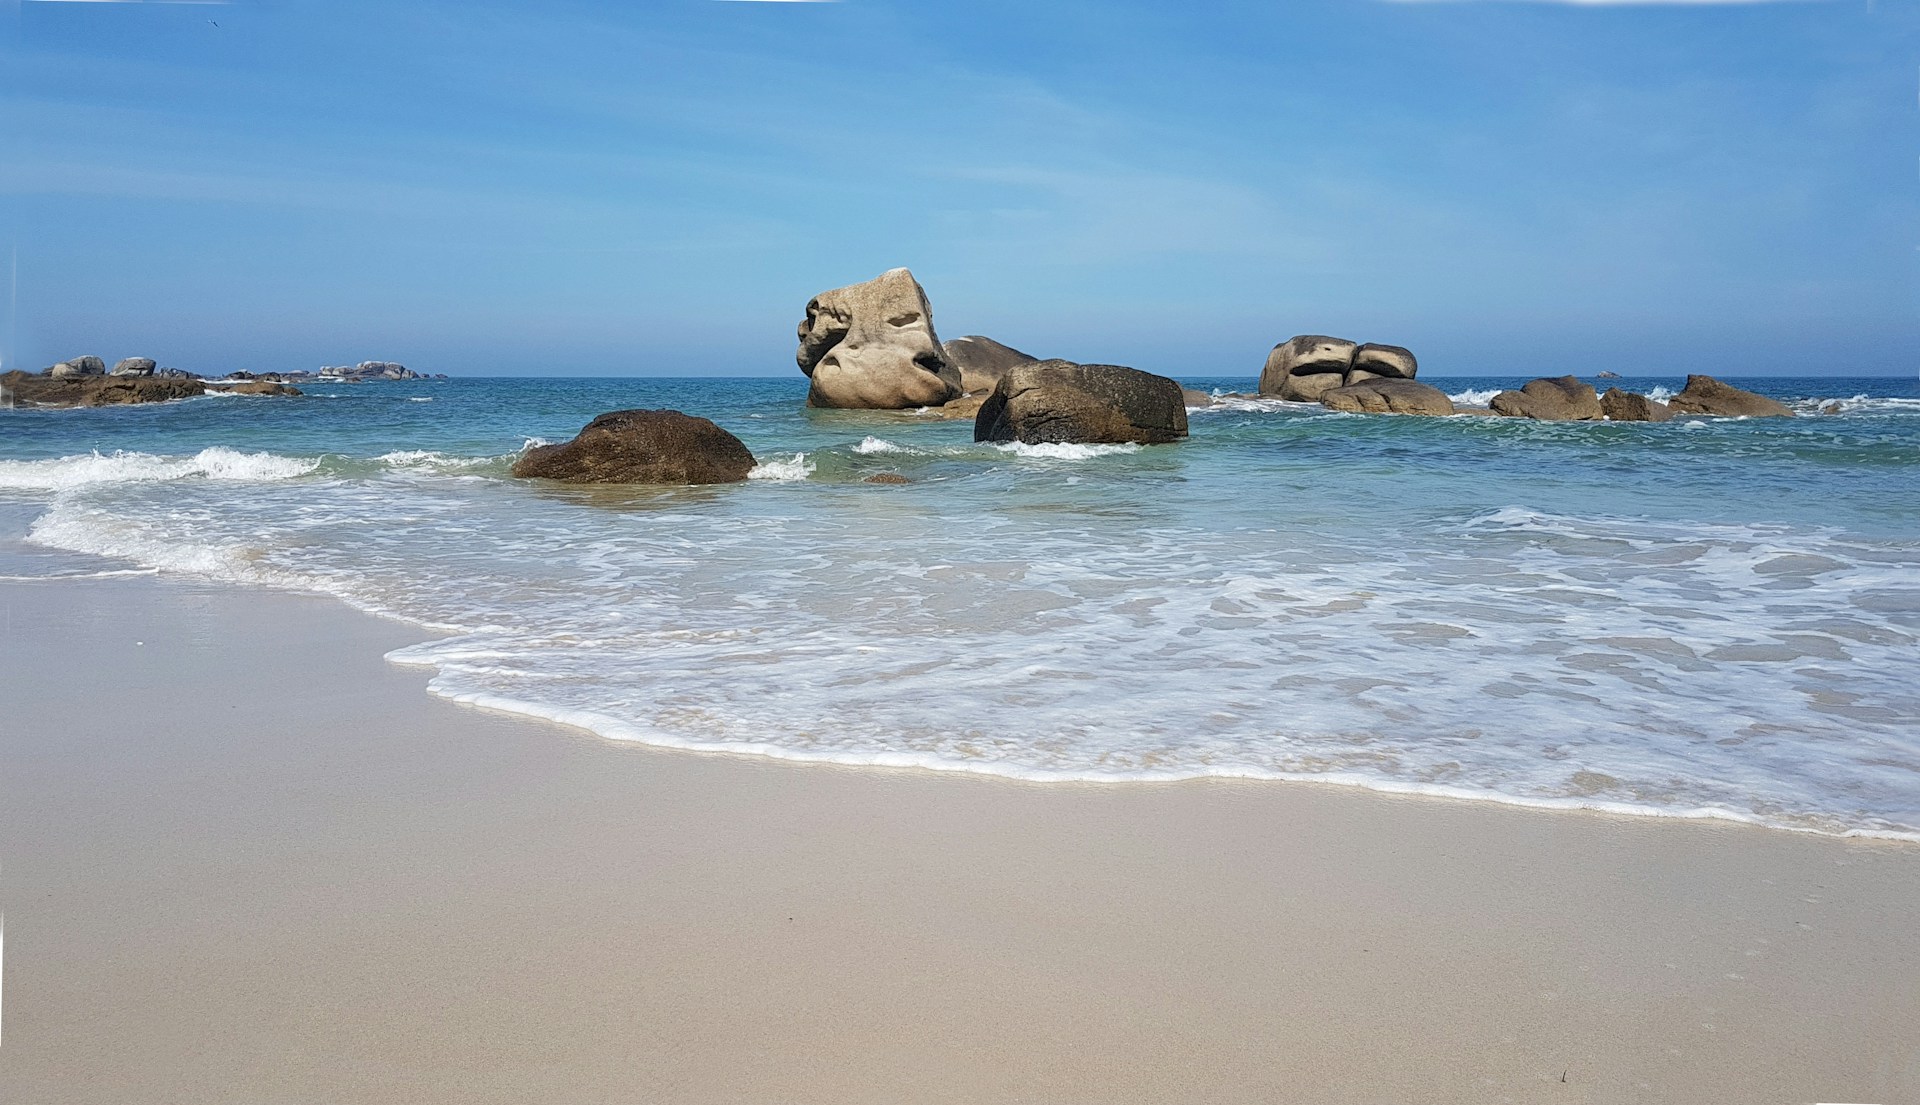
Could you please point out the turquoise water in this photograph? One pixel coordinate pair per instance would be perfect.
(1701, 618)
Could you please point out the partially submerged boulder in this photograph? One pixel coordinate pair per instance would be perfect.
(1306, 366)
(1059, 401)
(664, 447)
(1626, 406)
(1560, 399)
(872, 346)
(134, 366)
(1388, 395)
(261, 387)
(1193, 398)
(1706, 395)
(981, 361)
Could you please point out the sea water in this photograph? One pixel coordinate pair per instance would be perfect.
(1708, 617)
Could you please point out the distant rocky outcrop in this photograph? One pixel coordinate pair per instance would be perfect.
(369, 370)
(1706, 395)
(872, 346)
(657, 447)
(981, 361)
(1307, 366)
(135, 366)
(257, 387)
(1060, 401)
(94, 389)
(1388, 395)
(1560, 399)
(1625, 406)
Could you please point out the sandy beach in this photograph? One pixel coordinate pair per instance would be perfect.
(311, 881)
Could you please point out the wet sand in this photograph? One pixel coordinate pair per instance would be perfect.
(244, 859)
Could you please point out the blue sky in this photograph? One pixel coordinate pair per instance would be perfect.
(657, 188)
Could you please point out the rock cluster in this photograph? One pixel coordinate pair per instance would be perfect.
(1307, 366)
(94, 389)
(1059, 401)
(660, 447)
(872, 346)
(369, 370)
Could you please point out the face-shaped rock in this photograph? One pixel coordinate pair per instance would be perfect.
(872, 346)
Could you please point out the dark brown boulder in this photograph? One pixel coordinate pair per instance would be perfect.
(1625, 406)
(1059, 401)
(641, 447)
(1561, 399)
(886, 477)
(1388, 395)
(1706, 395)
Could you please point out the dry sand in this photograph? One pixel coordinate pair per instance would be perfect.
(246, 860)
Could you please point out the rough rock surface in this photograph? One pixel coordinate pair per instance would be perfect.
(78, 366)
(1626, 406)
(1194, 398)
(872, 346)
(886, 477)
(261, 387)
(982, 361)
(135, 366)
(1305, 366)
(1383, 360)
(1706, 395)
(95, 390)
(1059, 401)
(1560, 399)
(1389, 395)
(642, 447)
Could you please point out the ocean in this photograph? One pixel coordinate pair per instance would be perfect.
(1704, 618)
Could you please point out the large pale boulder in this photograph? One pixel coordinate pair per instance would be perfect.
(1706, 395)
(982, 361)
(1625, 406)
(78, 366)
(642, 447)
(1305, 366)
(134, 366)
(1059, 401)
(872, 346)
(1561, 399)
(1388, 395)
(1374, 361)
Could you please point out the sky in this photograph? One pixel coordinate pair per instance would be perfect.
(658, 187)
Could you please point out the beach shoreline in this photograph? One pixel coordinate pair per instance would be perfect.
(310, 880)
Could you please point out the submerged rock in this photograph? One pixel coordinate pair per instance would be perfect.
(1706, 395)
(982, 361)
(1625, 406)
(261, 387)
(662, 447)
(1193, 398)
(1560, 399)
(1388, 395)
(886, 477)
(872, 346)
(1060, 401)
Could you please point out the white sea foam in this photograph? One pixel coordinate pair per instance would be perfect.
(1475, 398)
(796, 467)
(872, 445)
(1660, 393)
(419, 399)
(431, 460)
(216, 463)
(1061, 450)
